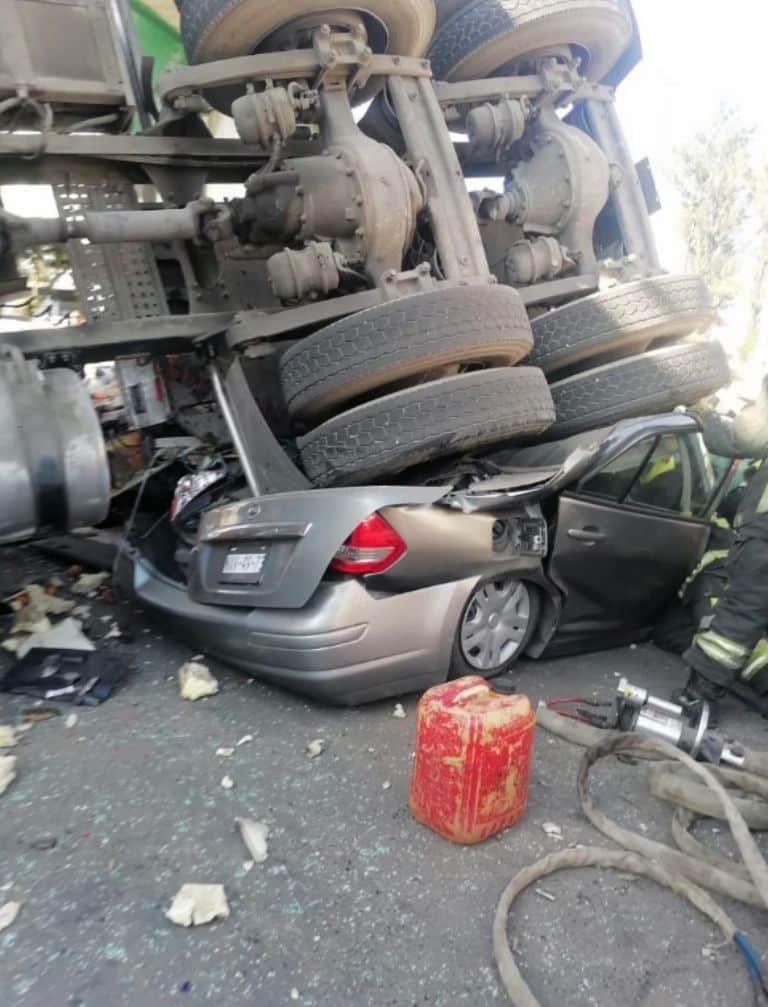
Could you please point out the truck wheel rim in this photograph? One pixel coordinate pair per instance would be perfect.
(495, 623)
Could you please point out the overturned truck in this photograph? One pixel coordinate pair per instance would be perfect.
(418, 238)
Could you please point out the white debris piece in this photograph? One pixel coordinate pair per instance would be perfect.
(83, 611)
(34, 603)
(545, 895)
(294, 994)
(245, 740)
(26, 621)
(194, 905)
(71, 720)
(225, 752)
(552, 830)
(254, 835)
(7, 771)
(88, 584)
(386, 785)
(7, 736)
(196, 681)
(247, 866)
(227, 782)
(11, 643)
(315, 748)
(8, 914)
(399, 713)
(67, 635)
(114, 633)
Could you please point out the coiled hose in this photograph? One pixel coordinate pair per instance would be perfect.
(688, 870)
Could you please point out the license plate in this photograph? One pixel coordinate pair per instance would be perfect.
(244, 563)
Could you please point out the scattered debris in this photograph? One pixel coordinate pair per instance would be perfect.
(546, 895)
(315, 748)
(82, 677)
(245, 740)
(194, 905)
(27, 622)
(67, 635)
(227, 782)
(399, 713)
(42, 843)
(254, 835)
(196, 681)
(7, 771)
(552, 830)
(88, 584)
(7, 736)
(37, 714)
(386, 785)
(8, 914)
(225, 752)
(113, 633)
(71, 720)
(34, 602)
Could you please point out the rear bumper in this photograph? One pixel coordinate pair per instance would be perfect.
(347, 645)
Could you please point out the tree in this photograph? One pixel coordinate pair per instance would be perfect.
(714, 177)
(758, 253)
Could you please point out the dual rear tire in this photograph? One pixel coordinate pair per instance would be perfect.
(413, 380)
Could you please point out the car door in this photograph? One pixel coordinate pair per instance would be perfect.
(627, 537)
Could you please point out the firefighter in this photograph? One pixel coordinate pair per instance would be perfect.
(724, 642)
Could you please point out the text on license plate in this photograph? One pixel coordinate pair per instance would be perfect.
(244, 562)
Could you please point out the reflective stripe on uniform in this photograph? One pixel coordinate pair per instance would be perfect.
(660, 467)
(758, 660)
(762, 506)
(706, 560)
(720, 649)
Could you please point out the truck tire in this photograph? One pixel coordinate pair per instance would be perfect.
(402, 339)
(484, 37)
(444, 417)
(620, 321)
(655, 382)
(218, 29)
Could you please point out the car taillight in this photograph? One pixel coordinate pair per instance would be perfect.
(189, 488)
(372, 547)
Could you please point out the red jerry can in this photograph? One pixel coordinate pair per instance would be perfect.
(473, 758)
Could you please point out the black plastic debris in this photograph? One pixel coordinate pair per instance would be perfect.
(82, 677)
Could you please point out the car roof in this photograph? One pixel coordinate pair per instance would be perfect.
(597, 443)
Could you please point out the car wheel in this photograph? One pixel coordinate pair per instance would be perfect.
(218, 29)
(620, 321)
(434, 420)
(496, 626)
(401, 340)
(492, 37)
(655, 382)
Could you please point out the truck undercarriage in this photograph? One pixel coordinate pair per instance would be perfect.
(354, 312)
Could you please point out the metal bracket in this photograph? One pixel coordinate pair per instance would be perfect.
(266, 466)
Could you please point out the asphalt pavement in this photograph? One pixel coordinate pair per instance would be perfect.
(357, 903)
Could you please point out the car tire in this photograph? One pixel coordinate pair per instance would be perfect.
(433, 420)
(219, 29)
(620, 321)
(655, 382)
(403, 339)
(485, 37)
(526, 617)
